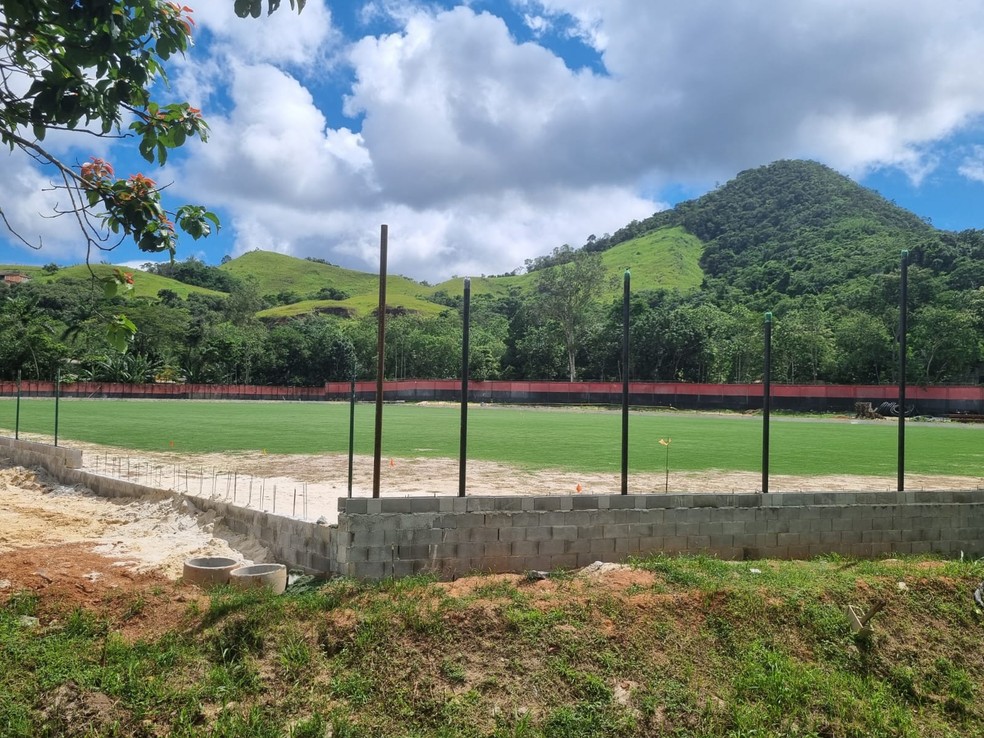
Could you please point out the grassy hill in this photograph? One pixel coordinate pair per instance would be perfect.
(667, 258)
(354, 307)
(274, 273)
(144, 284)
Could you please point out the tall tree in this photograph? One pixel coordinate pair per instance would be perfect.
(566, 292)
(87, 67)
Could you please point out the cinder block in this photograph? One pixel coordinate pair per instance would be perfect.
(417, 551)
(674, 544)
(552, 548)
(587, 559)
(581, 545)
(622, 502)
(321, 563)
(564, 532)
(508, 535)
(353, 506)
(602, 545)
(369, 570)
(650, 544)
(539, 533)
(527, 520)
(471, 550)
(510, 504)
(628, 516)
(627, 546)
(721, 542)
(562, 561)
(705, 500)
(585, 502)
(482, 535)
(686, 529)
(497, 549)
(698, 543)
(608, 531)
(711, 529)
(524, 548)
(498, 519)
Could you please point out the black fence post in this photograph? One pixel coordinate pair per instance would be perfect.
(351, 446)
(57, 394)
(625, 384)
(380, 360)
(17, 407)
(766, 402)
(903, 329)
(463, 449)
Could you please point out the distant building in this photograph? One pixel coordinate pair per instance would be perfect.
(9, 277)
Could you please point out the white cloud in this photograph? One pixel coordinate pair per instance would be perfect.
(972, 166)
(462, 130)
(480, 235)
(29, 200)
(283, 37)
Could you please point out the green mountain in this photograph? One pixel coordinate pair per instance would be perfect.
(796, 227)
(788, 229)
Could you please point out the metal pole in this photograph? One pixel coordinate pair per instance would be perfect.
(766, 402)
(351, 449)
(463, 449)
(57, 393)
(625, 383)
(903, 329)
(17, 410)
(380, 361)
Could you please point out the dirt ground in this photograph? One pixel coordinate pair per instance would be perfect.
(104, 553)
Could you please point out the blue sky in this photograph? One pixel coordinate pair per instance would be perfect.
(485, 133)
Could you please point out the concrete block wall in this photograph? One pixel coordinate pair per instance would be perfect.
(28, 453)
(296, 543)
(383, 537)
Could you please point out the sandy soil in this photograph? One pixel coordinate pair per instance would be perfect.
(309, 486)
(140, 535)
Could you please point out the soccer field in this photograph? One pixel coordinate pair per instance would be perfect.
(577, 439)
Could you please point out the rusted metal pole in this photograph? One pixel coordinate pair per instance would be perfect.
(625, 384)
(766, 402)
(903, 329)
(351, 448)
(380, 359)
(57, 393)
(463, 449)
(17, 411)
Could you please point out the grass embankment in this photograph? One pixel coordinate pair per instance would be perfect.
(577, 440)
(684, 647)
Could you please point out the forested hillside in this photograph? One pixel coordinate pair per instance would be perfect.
(794, 238)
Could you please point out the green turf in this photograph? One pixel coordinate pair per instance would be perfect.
(579, 440)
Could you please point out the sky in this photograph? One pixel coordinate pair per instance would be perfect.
(489, 132)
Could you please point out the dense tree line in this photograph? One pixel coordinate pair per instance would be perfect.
(847, 337)
(793, 238)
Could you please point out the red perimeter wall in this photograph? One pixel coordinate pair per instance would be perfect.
(817, 398)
